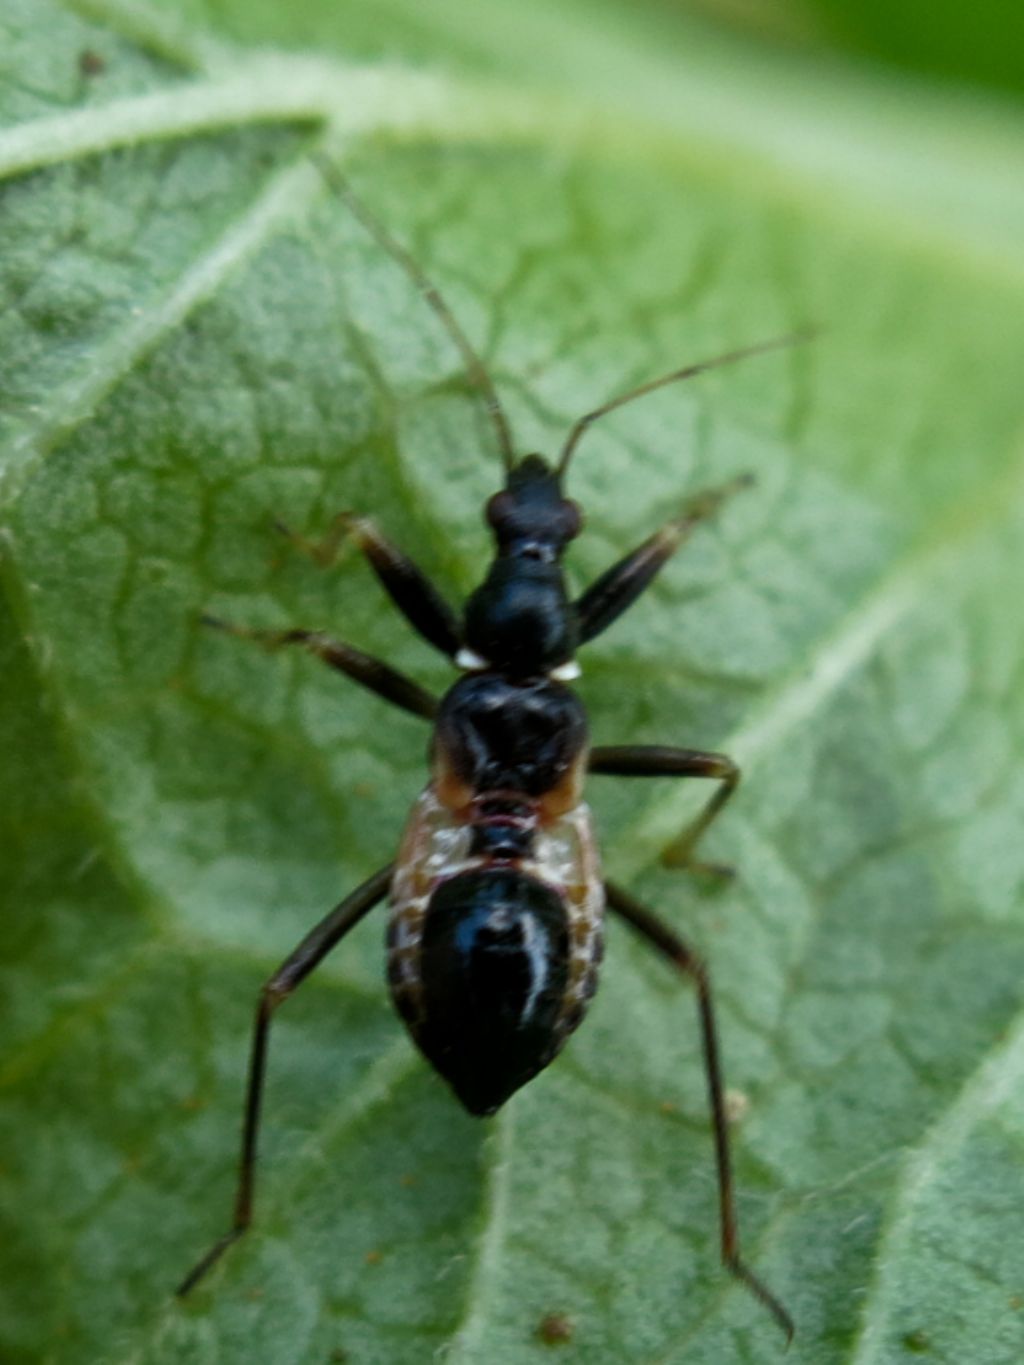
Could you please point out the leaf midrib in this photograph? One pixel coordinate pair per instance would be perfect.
(411, 106)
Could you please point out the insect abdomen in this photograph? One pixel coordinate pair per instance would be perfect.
(494, 969)
(493, 959)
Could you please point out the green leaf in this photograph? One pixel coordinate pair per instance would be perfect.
(196, 339)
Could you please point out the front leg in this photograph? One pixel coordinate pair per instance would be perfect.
(657, 760)
(404, 581)
(619, 587)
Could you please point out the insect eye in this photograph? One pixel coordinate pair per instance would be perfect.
(573, 514)
(499, 508)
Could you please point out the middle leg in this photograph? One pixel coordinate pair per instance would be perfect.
(373, 674)
(658, 760)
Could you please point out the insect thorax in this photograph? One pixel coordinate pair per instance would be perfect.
(494, 734)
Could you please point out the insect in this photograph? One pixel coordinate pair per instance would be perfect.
(494, 936)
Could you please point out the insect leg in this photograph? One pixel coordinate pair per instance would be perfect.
(642, 760)
(403, 580)
(372, 673)
(619, 587)
(292, 972)
(691, 965)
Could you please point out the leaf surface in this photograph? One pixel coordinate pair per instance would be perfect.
(196, 339)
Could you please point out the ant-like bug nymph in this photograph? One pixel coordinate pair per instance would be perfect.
(494, 938)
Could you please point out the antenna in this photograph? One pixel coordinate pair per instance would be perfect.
(476, 371)
(687, 372)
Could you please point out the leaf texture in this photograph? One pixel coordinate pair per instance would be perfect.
(197, 340)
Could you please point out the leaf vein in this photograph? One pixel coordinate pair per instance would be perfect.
(997, 1079)
(76, 400)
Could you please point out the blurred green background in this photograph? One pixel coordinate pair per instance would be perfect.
(977, 44)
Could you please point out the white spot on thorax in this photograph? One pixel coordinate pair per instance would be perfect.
(566, 672)
(471, 661)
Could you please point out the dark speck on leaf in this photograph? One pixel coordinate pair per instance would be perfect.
(90, 63)
(554, 1329)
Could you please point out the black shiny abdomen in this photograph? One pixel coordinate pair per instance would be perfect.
(494, 970)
